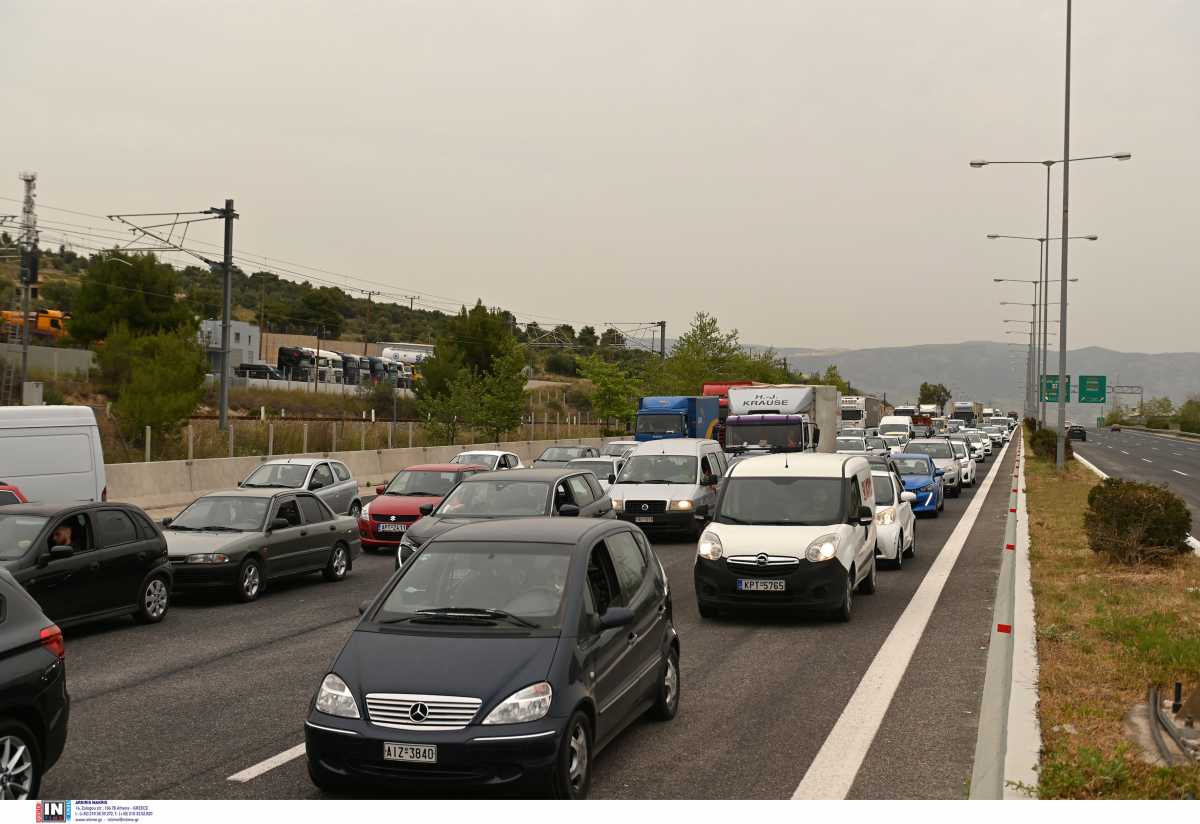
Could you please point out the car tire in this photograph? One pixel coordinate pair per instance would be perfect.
(355, 509)
(571, 776)
(26, 769)
(955, 491)
(338, 566)
(869, 584)
(666, 695)
(911, 552)
(707, 611)
(154, 600)
(844, 612)
(249, 584)
(898, 561)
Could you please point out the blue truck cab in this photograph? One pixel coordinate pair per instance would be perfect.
(661, 417)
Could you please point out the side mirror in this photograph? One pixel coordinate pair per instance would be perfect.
(167, 521)
(937, 473)
(279, 523)
(314, 485)
(59, 552)
(616, 617)
(908, 497)
(381, 489)
(425, 509)
(708, 480)
(241, 484)
(364, 606)
(569, 511)
(612, 479)
(865, 516)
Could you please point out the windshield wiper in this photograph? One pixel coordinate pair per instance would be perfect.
(479, 612)
(729, 519)
(181, 527)
(214, 528)
(269, 486)
(656, 481)
(420, 494)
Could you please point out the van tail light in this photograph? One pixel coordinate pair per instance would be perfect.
(52, 639)
(104, 495)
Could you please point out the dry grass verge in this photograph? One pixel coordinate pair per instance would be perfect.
(1105, 633)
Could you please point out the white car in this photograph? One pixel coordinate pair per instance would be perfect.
(790, 530)
(944, 459)
(966, 462)
(490, 458)
(895, 443)
(618, 449)
(606, 468)
(851, 445)
(852, 432)
(895, 524)
(997, 434)
(982, 438)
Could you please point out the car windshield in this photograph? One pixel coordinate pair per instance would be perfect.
(659, 469)
(601, 469)
(476, 459)
(18, 532)
(960, 449)
(764, 436)
(223, 512)
(893, 427)
(781, 501)
(497, 499)
(912, 466)
(615, 450)
(284, 476)
(884, 495)
(975, 437)
(851, 432)
(877, 443)
(561, 453)
(499, 584)
(892, 440)
(670, 424)
(992, 430)
(933, 450)
(422, 483)
(857, 444)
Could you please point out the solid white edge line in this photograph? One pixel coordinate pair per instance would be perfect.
(1192, 542)
(250, 773)
(831, 774)
(1023, 745)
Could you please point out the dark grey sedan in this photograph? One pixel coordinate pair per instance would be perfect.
(240, 539)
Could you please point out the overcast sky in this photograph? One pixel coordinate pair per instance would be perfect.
(797, 168)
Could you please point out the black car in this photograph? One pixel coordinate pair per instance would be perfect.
(512, 493)
(113, 562)
(34, 705)
(503, 652)
(1076, 433)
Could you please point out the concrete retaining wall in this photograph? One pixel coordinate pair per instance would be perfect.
(176, 483)
(53, 360)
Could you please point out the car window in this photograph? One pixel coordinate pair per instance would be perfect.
(562, 495)
(8, 497)
(705, 467)
(602, 580)
(884, 491)
(580, 491)
(340, 470)
(314, 511)
(597, 490)
(322, 476)
(80, 532)
(628, 562)
(289, 510)
(114, 528)
(145, 528)
(855, 497)
(18, 531)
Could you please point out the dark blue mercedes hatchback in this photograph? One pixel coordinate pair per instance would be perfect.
(502, 652)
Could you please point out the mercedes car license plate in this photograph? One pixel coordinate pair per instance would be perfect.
(644, 519)
(754, 585)
(420, 753)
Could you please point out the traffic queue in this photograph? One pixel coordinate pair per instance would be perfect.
(457, 670)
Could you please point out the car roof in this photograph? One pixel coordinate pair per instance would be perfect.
(485, 452)
(799, 465)
(545, 474)
(446, 467)
(674, 446)
(296, 461)
(49, 510)
(918, 455)
(248, 492)
(12, 417)
(533, 530)
(593, 459)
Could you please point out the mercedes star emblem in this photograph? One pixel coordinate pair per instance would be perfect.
(418, 712)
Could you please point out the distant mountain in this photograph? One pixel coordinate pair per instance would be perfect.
(994, 372)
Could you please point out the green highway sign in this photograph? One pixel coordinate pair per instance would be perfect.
(1092, 388)
(1050, 388)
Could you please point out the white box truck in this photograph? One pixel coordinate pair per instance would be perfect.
(782, 418)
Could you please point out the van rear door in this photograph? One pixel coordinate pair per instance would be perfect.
(53, 464)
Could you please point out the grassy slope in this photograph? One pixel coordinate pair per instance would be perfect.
(1105, 633)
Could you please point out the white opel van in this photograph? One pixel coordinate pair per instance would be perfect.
(52, 453)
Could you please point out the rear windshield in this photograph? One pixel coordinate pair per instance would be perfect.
(933, 450)
(912, 466)
(781, 501)
(857, 444)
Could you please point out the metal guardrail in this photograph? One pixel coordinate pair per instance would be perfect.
(991, 745)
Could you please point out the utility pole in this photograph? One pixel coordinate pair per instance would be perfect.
(366, 325)
(1060, 451)
(662, 339)
(228, 215)
(29, 250)
(411, 298)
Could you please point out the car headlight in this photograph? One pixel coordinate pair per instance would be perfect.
(885, 516)
(528, 704)
(680, 506)
(364, 514)
(710, 548)
(822, 549)
(208, 558)
(618, 504)
(335, 698)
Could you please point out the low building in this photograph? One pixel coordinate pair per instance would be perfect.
(243, 343)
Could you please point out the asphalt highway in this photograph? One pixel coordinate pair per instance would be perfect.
(1144, 456)
(219, 688)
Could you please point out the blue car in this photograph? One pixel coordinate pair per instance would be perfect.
(922, 478)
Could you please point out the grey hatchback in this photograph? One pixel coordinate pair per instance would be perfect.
(329, 480)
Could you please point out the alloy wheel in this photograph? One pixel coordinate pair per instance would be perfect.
(339, 561)
(577, 771)
(156, 597)
(251, 580)
(671, 682)
(16, 769)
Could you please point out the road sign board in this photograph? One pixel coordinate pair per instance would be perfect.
(1093, 388)
(1050, 388)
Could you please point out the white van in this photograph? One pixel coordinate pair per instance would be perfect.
(670, 484)
(52, 453)
(896, 425)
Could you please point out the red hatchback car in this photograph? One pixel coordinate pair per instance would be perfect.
(383, 521)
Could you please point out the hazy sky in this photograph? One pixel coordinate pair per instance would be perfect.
(797, 168)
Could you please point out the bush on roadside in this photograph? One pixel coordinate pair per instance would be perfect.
(1044, 444)
(1132, 523)
(1158, 423)
(1031, 424)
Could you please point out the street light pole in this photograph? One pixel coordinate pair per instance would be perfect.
(1060, 453)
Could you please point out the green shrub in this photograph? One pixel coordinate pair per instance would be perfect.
(1132, 522)
(1031, 424)
(561, 363)
(1158, 423)
(1044, 444)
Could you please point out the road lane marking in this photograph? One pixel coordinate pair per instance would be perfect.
(1147, 460)
(1123, 452)
(831, 774)
(1177, 472)
(250, 773)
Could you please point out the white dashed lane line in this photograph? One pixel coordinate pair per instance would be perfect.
(1147, 460)
(1123, 452)
(1177, 472)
